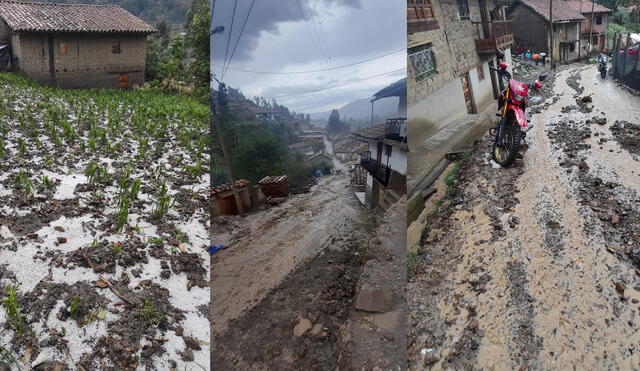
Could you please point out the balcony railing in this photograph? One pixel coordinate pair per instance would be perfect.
(379, 171)
(492, 35)
(396, 129)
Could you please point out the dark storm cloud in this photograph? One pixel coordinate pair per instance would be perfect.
(265, 16)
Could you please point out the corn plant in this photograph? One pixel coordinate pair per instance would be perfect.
(12, 310)
(163, 204)
(22, 182)
(135, 189)
(123, 213)
(46, 182)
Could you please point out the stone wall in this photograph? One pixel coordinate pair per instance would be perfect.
(89, 61)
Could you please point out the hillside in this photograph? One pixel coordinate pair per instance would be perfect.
(361, 109)
(151, 11)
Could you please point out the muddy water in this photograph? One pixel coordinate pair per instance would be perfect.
(267, 245)
(539, 293)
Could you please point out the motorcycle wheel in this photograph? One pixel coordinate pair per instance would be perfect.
(603, 73)
(506, 154)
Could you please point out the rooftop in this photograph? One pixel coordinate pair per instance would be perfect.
(563, 11)
(49, 17)
(586, 7)
(371, 132)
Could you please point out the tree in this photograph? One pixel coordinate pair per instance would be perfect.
(164, 33)
(335, 125)
(173, 67)
(153, 60)
(197, 39)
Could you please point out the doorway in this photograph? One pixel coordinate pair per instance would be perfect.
(468, 94)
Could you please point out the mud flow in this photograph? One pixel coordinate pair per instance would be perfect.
(286, 284)
(536, 266)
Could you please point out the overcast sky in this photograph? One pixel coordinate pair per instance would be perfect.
(303, 35)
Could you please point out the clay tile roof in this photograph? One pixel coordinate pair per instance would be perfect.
(562, 10)
(586, 7)
(375, 132)
(48, 17)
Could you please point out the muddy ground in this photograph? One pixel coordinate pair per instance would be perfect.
(286, 282)
(535, 266)
(93, 273)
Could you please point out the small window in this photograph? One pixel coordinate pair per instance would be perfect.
(116, 47)
(572, 47)
(63, 47)
(463, 9)
(480, 73)
(599, 19)
(422, 61)
(555, 28)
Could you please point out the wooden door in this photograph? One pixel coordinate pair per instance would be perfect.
(468, 94)
(124, 81)
(601, 45)
(379, 154)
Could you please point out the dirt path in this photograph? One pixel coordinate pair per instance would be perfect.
(532, 266)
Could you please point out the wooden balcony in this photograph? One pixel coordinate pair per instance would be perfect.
(379, 171)
(492, 35)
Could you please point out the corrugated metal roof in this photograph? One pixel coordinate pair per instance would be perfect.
(48, 17)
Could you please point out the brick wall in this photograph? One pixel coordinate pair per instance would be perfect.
(89, 61)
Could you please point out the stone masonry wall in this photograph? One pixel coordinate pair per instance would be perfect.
(453, 47)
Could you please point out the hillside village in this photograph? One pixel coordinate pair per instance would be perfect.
(313, 198)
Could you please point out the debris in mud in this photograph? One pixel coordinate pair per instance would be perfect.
(628, 135)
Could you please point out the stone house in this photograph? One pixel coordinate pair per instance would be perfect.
(451, 44)
(74, 45)
(596, 24)
(530, 20)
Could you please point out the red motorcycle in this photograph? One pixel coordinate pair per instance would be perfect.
(511, 106)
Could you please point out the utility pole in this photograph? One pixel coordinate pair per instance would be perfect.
(593, 4)
(215, 128)
(553, 61)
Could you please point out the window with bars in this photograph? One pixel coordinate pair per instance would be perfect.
(420, 16)
(422, 61)
(463, 9)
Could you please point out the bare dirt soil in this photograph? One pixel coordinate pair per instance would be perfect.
(284, 287)
(298, 262)
(536, 266)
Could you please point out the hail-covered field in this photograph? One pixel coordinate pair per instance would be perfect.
(103, 228)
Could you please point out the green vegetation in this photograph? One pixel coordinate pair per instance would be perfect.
(149, 313)
(73, 307)
(163, 204)
(15, 318)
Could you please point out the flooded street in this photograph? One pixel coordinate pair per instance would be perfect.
(292, 266)
(534, 266)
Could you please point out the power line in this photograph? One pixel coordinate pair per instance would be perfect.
(340, 85)
(233, 18)
(314, 71)
(238, 40)
(313, 41)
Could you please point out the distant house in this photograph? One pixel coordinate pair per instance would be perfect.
(75, 46)
(530, 19)
(253, 110)
(306, 147)
(600, 21)
(385, 162)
